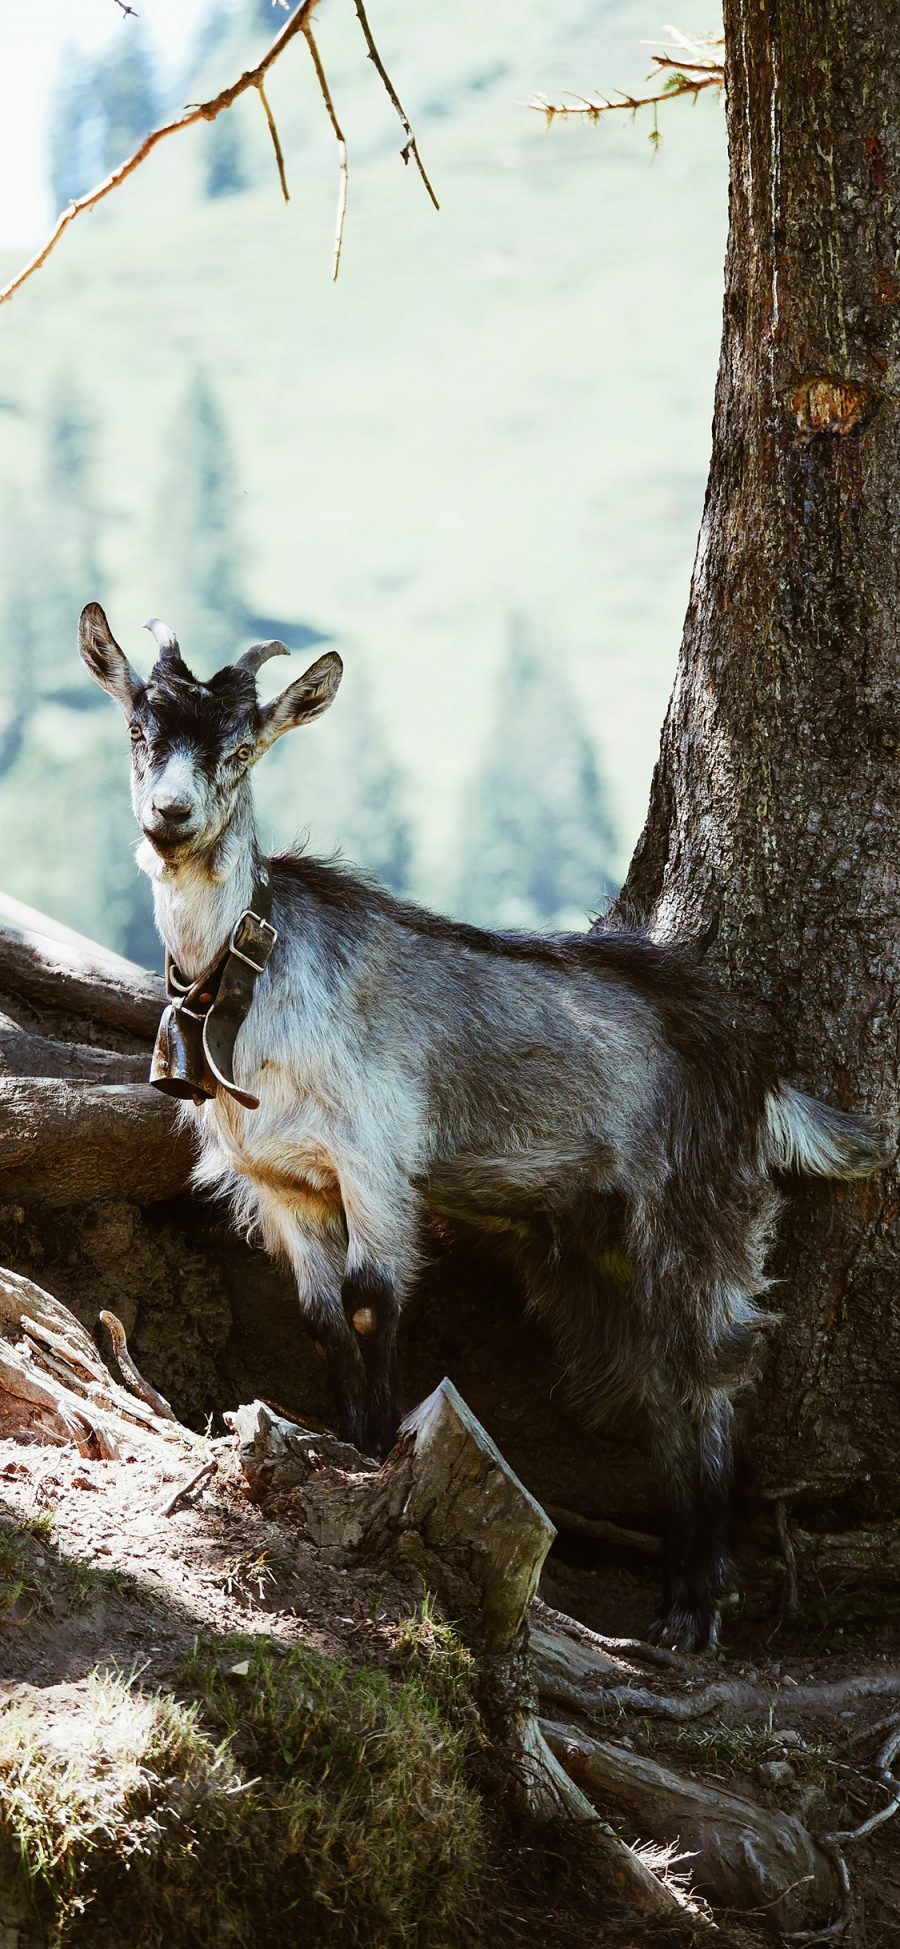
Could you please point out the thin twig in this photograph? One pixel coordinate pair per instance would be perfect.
(409, 147)
(343, 168)
(199, 112)
(134, 1379)
(276, 140)
(187, 1488)
(842, 1920)
(594, 107)
(885, 1761)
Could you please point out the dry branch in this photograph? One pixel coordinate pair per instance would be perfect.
(702, 69)
(343, 166)
(199, 112)
(133, 1378)
(743, 1854)
(276, 140)
(409, 147)
(208, 111)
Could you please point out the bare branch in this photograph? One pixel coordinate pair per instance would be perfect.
(409, 147)
(704, 68)
(198, 112)
(276, 140)
(594, 107)
(343, 169)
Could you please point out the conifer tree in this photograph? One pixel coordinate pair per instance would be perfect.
(125, 89)
(225, 171)
(198, 547)
(537, 838)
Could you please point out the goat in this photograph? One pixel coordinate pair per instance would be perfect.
(591, 1098)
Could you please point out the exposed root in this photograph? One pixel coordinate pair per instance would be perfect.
(133, 1378)
(601, 1531)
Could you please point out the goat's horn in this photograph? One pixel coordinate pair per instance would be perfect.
(253, 659)
(166, 640)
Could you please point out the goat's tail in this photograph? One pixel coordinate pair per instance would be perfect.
(802, 1134)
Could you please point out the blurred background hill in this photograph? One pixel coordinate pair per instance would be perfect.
(475, 466)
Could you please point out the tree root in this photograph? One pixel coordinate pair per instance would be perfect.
(741, 1852)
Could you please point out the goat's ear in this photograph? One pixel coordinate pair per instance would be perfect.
(302, 701)
(108, 665)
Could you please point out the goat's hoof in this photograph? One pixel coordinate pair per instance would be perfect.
(687, 1626)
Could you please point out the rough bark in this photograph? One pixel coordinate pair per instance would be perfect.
(93, 982)
(771, 832)
(70, 1143)
(24, 1054)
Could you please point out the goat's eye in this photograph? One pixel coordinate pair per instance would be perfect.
(137, 735)
(244, 754)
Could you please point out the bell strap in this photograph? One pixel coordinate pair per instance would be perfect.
(194, 1053)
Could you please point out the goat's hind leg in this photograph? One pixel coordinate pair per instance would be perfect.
(692, 1443)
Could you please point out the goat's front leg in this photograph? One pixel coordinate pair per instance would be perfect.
(382, 1225)
(318, 1256)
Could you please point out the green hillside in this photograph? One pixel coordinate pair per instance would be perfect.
(499, 412)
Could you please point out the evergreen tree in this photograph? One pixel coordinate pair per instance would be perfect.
(223, 156)
(125, 86)
(372, 827)
(76, 130)
(537, 837)
(198, 548)
(340, 791)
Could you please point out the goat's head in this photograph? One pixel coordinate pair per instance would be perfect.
(193, 743)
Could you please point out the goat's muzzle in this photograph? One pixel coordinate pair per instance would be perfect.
(167, 840)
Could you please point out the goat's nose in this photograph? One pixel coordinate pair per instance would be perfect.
(173, 812)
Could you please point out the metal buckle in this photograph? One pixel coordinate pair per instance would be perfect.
(267, 928)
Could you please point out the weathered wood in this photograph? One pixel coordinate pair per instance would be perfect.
(68, 1143)
(554, 1795)
(25, 1054)
(445, 1494)
(446, 1503)
(87, 981)
(55, 1388)
(744, 1855)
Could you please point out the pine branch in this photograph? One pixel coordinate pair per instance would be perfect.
(686, 77)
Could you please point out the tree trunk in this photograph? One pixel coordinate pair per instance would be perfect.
(771, 832)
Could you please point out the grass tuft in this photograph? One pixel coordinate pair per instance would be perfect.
(291, 1798)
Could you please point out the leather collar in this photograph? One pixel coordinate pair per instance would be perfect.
(194, 1053)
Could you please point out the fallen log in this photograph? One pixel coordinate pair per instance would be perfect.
(84, 980)
(22, 1053)
(68, 1143)
(743, 1855)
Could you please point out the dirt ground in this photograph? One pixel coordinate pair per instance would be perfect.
(108, 1581)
